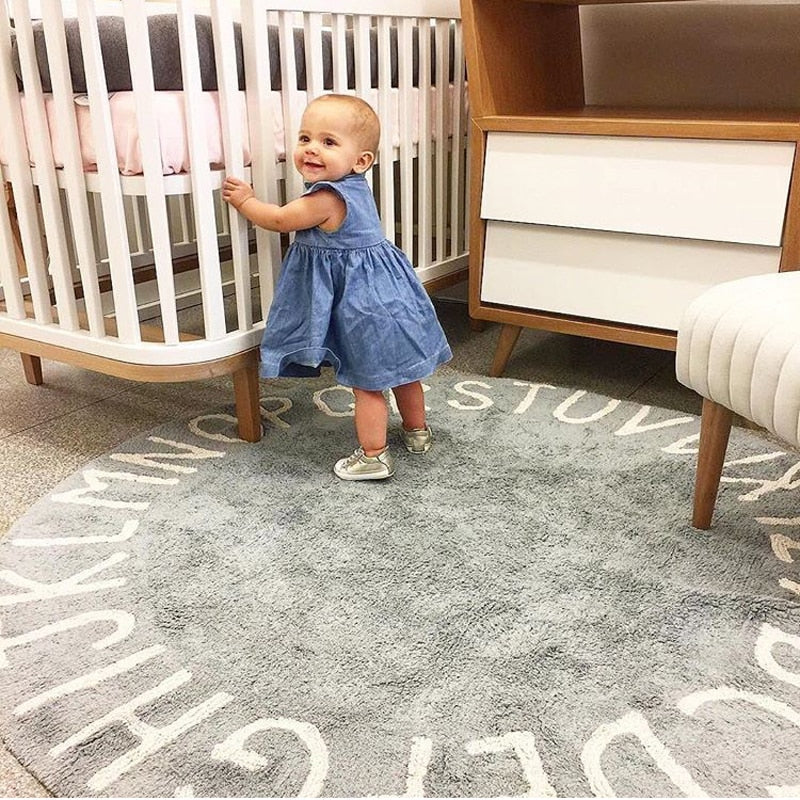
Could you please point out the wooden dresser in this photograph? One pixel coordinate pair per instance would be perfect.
(606, 221)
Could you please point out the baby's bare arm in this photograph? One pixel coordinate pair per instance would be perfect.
(305, 212)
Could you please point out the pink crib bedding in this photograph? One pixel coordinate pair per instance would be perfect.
(170, 115)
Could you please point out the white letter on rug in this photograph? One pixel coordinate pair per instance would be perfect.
(524, 746)
(69, 586)
(531, 396)
(421, 748)
(152, 739)
(148, 459)
(233, 750)
(90, 679)
(790, 586)
(483, 400)
(559, 413)
(692, 702)
(633, 724)
(680, 447)
(767, 639)
(124, 625)
(128, 529)
(784, 791)
(95, 484)
(786, 481)
(781, 545)
(274, 416)
(633, 425)
(787, 521)
(323, 406)
(194, 427)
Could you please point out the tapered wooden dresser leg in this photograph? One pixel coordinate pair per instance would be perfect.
(715, 429)
(505, 344)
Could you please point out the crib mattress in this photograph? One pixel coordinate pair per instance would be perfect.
(170, 115)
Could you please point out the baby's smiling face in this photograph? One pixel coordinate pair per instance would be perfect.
(328, 146)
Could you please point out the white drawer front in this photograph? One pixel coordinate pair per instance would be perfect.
(728, 191)
(638, 280)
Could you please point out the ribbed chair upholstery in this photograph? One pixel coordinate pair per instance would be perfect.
(739, 348)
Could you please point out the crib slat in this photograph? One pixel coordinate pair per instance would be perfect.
(405, 100)
(202, 205)
(20, 175)
(39, 140)
(74, 181)
(116, 233)
(424, 192)
(231, 114)
(292, 100)
(385, 112)
(312, 28)
(362, 53)
(261, 128)
(442, 35)
(361, 46)
(339, 52)
(457, 185)
(138, 39)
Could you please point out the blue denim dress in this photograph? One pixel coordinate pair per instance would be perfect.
(352, 300)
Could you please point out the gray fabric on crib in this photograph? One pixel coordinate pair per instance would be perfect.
(165, 55)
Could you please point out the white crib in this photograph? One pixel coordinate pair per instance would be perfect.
(113, 221)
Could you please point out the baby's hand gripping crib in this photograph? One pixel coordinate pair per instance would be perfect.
(119, 124)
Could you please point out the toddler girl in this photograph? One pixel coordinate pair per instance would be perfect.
(346, 296)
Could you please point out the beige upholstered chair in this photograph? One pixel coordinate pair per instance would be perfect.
(739, 348)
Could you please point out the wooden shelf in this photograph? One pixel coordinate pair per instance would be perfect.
(768, 125)
(598, 232)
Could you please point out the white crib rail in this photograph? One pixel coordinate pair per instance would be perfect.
(86, 235)
(422, 176)
(83, 235)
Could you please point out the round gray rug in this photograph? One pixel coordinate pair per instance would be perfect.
(523, 610)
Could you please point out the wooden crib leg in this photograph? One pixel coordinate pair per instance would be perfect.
(505, 344)
(248, 410)
(715, 429)
(32, 367)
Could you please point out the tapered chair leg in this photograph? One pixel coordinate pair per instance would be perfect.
(715, 429)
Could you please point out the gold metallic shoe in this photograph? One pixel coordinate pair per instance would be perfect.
(361, 467)
(418, 440)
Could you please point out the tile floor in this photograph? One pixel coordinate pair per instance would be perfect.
(49, 431)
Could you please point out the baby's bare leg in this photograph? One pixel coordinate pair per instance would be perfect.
(372, 417)
(411, 404)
